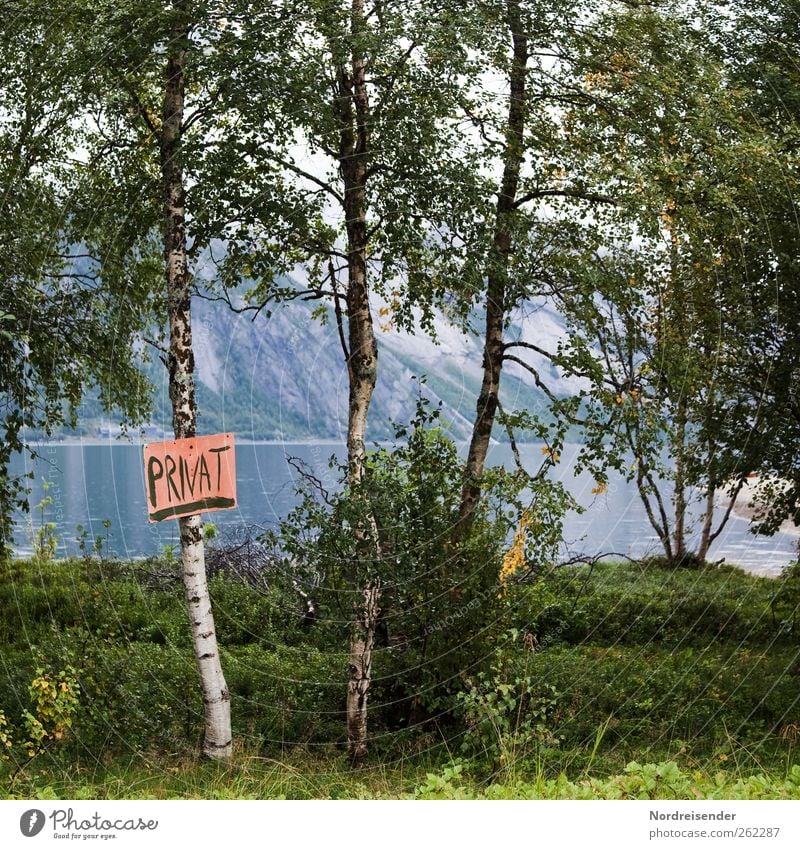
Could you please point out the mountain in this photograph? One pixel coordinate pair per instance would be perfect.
(282, 376)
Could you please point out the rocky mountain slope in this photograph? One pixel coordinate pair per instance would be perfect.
(282, 376)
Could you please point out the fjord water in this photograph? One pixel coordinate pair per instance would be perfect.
(93, 484)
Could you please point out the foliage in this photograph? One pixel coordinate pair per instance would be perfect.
(785, 603)
(615, 604)
(759, 50)
(301, 776)
(664, 780)
(441, 604)
(413, 58)
(94, 547)
(123, 628)
(45, 539)
(648, 195)
(648, 696)
(506, 711)
(600, 665)
(657, 298)
(54, 702)
(6, 740)
(65, 327)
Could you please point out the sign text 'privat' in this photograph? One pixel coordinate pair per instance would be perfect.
(188, 476)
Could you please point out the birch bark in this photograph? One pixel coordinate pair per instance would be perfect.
(496, 306)
(216, 698)
(353, 109)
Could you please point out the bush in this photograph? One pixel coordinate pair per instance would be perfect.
(53, 703)
(442, 604)
(653, 696)
(288, 696)
(648, 657)
(506, 712)
(100, 597)
(665, 780)
(785, 602)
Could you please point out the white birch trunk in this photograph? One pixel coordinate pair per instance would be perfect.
(361, 644)
(497, 277)
(216, 698)
(353, 109)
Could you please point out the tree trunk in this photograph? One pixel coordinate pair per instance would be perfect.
(708, 521)
(362, 364)
(679, 492)
(493, 350)
(353, 109)
(361, 643)
(680, 379)
(646, 486)
(216, 698)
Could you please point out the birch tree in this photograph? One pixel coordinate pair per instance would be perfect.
(761, 45)
(542, 188)
(152, 108)
(61, 333)
(364, 92)
(216, 698)
(661, 315)
(497, 273)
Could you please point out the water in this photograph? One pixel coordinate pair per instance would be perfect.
(93, 483)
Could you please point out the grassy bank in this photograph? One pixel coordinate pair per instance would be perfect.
(611, 681)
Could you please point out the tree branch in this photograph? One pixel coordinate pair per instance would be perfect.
(579, 194)
(140, 108)
(306, 175)
(337, 308)
(510, 432)
(531, 370)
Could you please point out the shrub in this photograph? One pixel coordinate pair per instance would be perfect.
(785, 602)
(53, 704)
(664, 780)
(614, 603)
(655, 695)
(442, 604)
(506, 712)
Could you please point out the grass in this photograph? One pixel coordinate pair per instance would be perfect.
(661, 683)
(250, 775)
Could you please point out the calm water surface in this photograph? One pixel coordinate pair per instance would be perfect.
(93, 483)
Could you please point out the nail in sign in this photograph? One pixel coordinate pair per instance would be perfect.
(188, 476)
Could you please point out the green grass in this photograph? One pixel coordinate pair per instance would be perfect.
(660, 683)
(250, 775)
(640, 604)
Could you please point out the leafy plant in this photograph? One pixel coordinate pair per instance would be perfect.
(441, 601)
(54, 701)
(446, 784)
(45, 539)
(785, 604)
(508, 713)
(93, 547)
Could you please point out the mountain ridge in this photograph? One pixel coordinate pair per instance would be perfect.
(283, 377)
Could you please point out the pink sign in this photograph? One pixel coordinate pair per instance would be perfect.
(188, 476)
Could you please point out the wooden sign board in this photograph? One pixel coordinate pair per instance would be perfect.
(188, 476)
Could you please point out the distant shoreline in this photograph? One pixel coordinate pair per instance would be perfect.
(93, 441)
(745, 507)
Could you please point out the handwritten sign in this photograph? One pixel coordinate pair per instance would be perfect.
(188, 476)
